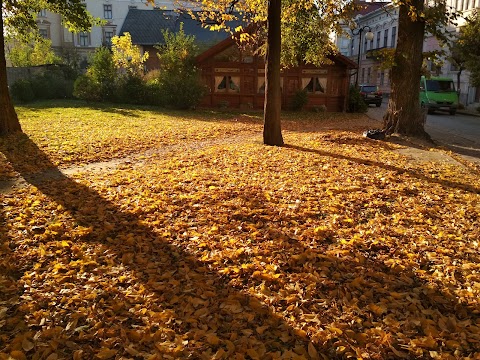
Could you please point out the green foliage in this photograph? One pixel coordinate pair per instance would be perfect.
(180, 85)
(51, 84)
(98, 84)
(299, 100)
(468, 46)
(22, 91)
(355, 101)
(84, 88)
(34, 53)
(130, 89)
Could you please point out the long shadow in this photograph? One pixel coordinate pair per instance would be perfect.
(189, 302)
(416, 174)
(187, 298)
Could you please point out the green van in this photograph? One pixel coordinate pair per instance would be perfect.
(438, 93)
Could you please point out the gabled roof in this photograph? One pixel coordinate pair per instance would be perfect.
(223, 45)
(145, 27)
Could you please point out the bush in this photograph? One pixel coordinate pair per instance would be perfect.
(131, 89)
(355, 101)
(22, 91)
(52, 85)
(84, 88)
(181, 92)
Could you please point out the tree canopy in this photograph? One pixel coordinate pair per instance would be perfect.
(468, 47)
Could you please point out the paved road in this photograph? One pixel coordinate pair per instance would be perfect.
(460, 132)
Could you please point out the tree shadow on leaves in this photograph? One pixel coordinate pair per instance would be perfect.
(120, 282)
(395, 169)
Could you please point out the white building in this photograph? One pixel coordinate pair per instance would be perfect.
(382, 20)
(113, 12)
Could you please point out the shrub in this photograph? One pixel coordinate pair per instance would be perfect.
(180, 85)
(131, 89)
(181, 91)
(84, 88)
(22, 91)
(355, 101)
(52, 85)
(299, 100)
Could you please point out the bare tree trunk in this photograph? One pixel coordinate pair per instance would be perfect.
(404, 114)
(8, 117)
(272, 132)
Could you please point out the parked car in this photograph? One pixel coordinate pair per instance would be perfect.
(438, 93)
(371, 94)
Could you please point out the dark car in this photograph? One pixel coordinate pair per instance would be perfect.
(371, 94)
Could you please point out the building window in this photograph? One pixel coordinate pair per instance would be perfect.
(107, 37)
(382, 78)
(363, 75)
(385, 38)
(227, 83)
(107, 12)
(393, 43)
(43, 33)
(84, 39)
(42, 13)
(314, 85)
(368, 75)
(378, 39)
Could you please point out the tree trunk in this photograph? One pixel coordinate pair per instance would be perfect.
(404, 114)
(8, 117)
(272, 132)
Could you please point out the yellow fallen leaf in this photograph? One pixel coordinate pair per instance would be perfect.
(312, 351)
(212, 339)
(106, 353)
(27, 345)
(18, 355)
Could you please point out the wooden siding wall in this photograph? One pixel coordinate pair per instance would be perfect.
(250, 76)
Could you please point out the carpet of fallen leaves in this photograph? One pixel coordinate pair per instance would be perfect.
(332, 247)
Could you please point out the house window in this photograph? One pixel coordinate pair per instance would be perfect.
(84, 39)
(368, 75)
(43, 33)
(314, 85)
(227, 83)
(378, 40)
(363, 75)
(107, 37)
(382, 78)
(107, 11)
(393, 43)
(42, 13)
(385, 38)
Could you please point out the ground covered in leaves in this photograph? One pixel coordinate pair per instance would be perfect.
(210, 245)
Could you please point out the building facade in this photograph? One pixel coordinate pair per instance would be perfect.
(382, 20)
(112, 12)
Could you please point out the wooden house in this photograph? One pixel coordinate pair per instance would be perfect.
(236, 79)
